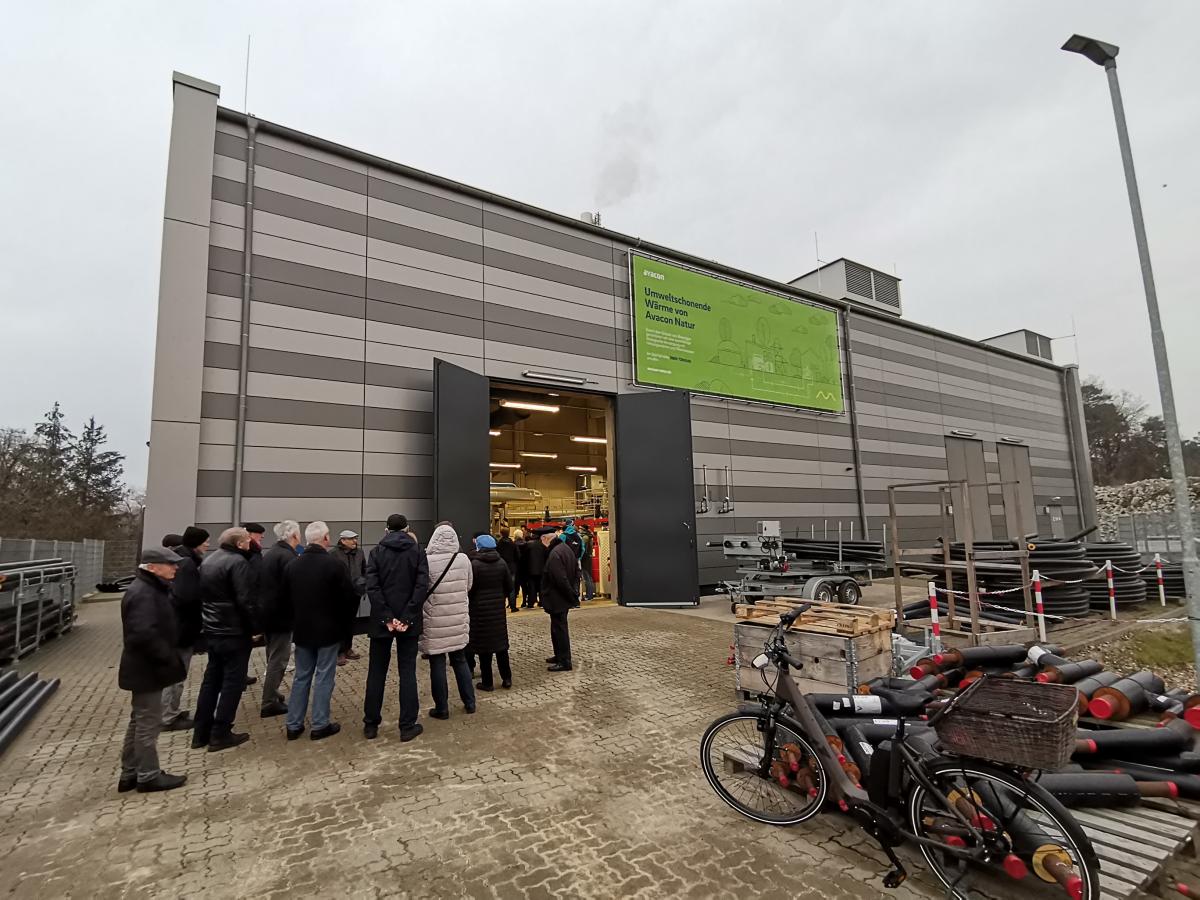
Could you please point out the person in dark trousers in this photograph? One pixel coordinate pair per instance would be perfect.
(587, 551)
(150, 662)
(397, 585)
(230, 615)
(490, 589)
(560, 594)
(534, 555)
(507, 550)
(570, 537)
(347, 553)
(276, 614)
(256, 532)
(447, 625)
(185, 598)
(323, 601)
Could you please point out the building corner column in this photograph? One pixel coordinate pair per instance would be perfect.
(1081, 458)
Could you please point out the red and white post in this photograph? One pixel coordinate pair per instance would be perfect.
(1039, 605)
(1162, 591)
(1112, 590)
(935, 644)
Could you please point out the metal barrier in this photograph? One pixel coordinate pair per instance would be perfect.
(87, 556)
(37, 601)
(1151, 533)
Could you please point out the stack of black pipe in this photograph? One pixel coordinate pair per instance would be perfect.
(1172, 581)
(868, 553)
(1129, 588)
(20, 699)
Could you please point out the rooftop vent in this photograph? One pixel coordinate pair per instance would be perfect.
(854, 283)
(1025, 342)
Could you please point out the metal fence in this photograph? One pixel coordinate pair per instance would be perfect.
(1152, 533)
(87, 556)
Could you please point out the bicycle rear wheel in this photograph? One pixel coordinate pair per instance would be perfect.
(776, 779)
(1027, 833)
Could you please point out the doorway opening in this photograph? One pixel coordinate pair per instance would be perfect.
(550, 460)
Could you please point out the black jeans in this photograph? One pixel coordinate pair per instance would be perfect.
(222, 687)
(532, 584)
(462, 674)
(379, 660)
(560, 637)
(485, 668)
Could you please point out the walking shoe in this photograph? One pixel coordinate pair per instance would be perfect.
(251, 679)
(227, 741)
(126, 783)
(413, 731)
(273, 709)
(341, 660)
(198, 743)
(370, 732)
(353, 654)
(559, 668)
(436, 713)
(485, 687)
(161, 782)
(469, 709)
(292, 735)
(184, 723)
(553, 660)
(329, 730)
(506, 684)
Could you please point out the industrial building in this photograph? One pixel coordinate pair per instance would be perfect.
(342, 337)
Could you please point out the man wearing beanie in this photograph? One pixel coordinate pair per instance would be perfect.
(185, 598)
(397, 585)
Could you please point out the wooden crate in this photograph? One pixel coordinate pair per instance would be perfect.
(841, 646)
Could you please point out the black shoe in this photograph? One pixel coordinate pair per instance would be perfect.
(553, 660)
(506, 684)
(183, 723)
(161, 782)
(293, 735)
(485, 687)
(407, 734)
(329, 730)
(469, 709)
(559, 668)
(126, 783)
(370, 732)
(273, 709)
(227, 741)
(251, 679)
(439, 713)
(198, 743)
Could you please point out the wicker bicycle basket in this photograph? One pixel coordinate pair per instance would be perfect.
(1018, 723)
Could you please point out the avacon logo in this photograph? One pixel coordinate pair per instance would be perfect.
(657, 275)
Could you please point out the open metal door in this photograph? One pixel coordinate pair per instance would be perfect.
(655, 494)
(460, 449)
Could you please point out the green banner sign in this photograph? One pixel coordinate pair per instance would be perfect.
(699, 333)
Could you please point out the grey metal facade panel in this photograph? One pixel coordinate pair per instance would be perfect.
(221, 356)
(426, 202)
(448, 323)
(225, 283)
(225, 260)
(303, 412)
(281, 160)
(301, 484)
(218, 406)
(228, 191)
(399, 377)
(270, 269)
(562, 325)
(309, 211)
(399, 420)
(871, 355)
(230, 145)
(512, 262)
(423, 298)
(385, 486)
(418, 238)
(548, 340)
(303, 365)
(282, 293)
(214, 483)
(551, 237)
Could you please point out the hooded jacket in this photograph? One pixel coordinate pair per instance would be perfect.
(447, 622)
(489, 594)
(397, 583)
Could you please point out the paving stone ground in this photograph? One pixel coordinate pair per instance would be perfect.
(584, 784)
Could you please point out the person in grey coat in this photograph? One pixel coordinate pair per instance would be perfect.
(348, 553)
(446, 625)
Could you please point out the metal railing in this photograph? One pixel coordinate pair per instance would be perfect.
(1151, 533)
(87, 556)
(37, 601)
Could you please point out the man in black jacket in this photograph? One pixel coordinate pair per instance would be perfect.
(149, 662)
(560, 594)
(323, 602)
(533, 561)
(185, 597)
(507, 549)
(276, 614)
(229, 621)
(347, 552)
(397, 585)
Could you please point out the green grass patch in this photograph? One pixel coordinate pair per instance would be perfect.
(1167, 647)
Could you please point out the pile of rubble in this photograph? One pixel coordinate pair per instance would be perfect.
(1150, 496)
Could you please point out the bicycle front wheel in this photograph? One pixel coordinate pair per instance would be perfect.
(774, 778)
(1025, 833)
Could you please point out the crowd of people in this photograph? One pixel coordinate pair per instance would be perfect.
(302, 599)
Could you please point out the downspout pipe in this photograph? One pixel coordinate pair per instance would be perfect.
(855, 450)
(239, 443)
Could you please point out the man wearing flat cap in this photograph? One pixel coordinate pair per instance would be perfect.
(150, 661)
(347, 553)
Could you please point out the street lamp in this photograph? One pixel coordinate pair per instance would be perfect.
(1103, 54)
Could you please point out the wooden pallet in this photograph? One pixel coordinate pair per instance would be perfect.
(825, 618)
(1135, 845)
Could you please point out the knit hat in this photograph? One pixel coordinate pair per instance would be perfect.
(172, 540)
(397, 522)
(193, 537)
(485, 542)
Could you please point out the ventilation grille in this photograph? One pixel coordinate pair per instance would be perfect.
(872, 285)
(858, 280)
(887, 290)
(1038, 345)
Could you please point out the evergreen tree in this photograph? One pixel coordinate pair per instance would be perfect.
(95, 474)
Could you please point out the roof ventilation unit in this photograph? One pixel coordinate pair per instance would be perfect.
(855, 283)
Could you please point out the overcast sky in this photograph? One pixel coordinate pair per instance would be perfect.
(950, 142)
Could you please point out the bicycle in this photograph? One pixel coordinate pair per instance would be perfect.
(774, 763)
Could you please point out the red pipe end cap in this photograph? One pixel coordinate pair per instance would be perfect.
(1091, 745)
(1074, 887)
(953, 840)
(1102, 708)
(1172, 789)
(939, 658)
(1183, 889)
(1042, 677)
(917, 673)
(1192, 716)
(1015, 866)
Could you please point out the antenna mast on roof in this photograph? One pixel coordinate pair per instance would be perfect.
(246, 82)
(820, 262)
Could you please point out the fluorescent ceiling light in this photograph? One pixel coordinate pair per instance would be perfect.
(505, 465)
(494, 433)
(532, 407)
(579, 439)
(541, 455)
(581, 468)
(550, 376)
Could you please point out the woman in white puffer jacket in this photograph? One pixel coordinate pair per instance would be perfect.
(446, 624)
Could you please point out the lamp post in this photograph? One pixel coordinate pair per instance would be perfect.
(1105, 55)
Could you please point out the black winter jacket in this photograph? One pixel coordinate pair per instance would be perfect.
(507, 548)
(355, 563)
(534, 558)
(397, 583)
(560, 581)
(273, 606)
(488, 599)
(185, 596)
(228, 605)
(150, 658)
(321, 596)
